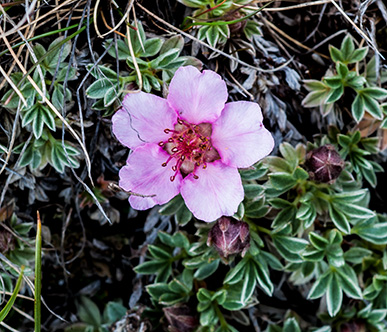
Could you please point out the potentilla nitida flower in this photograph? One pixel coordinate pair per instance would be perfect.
(229, 236)
(191, 143)
(324, 164)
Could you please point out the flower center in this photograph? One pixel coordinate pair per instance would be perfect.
(190, 146)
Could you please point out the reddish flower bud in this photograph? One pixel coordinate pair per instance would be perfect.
(324, 164)
(236, 28)
(229, 236)
(180, 318)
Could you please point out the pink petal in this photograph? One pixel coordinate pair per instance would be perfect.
(197, 97)
(149, 116)
(144, 175)
(217, 192)
(239, 135)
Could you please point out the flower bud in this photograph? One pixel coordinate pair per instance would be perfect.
(236, 28)
(229, 236)
(324, 164)
(180, 318)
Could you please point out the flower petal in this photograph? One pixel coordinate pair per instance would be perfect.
(217, 192)
(239, 135)
(197, 97)
(144, 175)
(142, 119)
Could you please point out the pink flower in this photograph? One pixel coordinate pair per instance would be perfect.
(191, 143)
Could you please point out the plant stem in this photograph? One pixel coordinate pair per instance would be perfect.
(38, 274)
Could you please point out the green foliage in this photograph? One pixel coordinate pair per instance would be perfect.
(331, 89)
(37, 117)
(92, 320)
(218, 20)
(156, 58)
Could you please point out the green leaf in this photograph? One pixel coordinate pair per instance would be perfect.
(355, 255)
(163, 60)
(183, 215)
(375, 92)
(283, 217)
(342, 70)
(89, 313)
(150, 267)
(339, 219)
(152, 47)
(282, 181)
(236, 274)
(373, 107)
(253, 190)
(291, 325)
(336, 54)
(208, 317)
(263, 278)
(113, 312)
(335, 94)
(176, 41)
(358, 55)
(99, 88)
(249, 282)
(333, 82)
(111, 96)
(347, 47)
(206, 270)
(4, 312)
(159, 253)
(172, 206)
(334, 296)
(320, 286)
(349, 283)
(157, 289)
(318, 241)
(60, 54)
(212, 35)
(372, 232)
(354, 210)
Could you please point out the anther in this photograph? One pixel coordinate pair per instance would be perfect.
(167, 131)
(170, 140)
(161, 143)
(175, 149)
(195, 177)
(182, 158)
(164, 164)
(174, 168)
(179, 121)
(172, 178)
